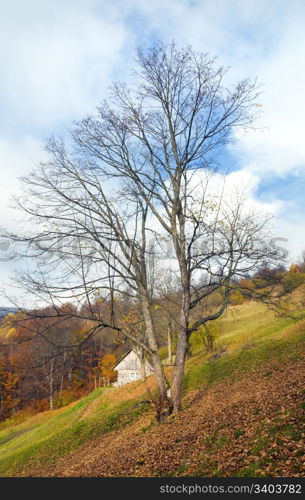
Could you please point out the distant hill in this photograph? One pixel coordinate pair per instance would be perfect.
(6, 310)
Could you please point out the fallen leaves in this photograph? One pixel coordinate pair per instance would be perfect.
(253, 427)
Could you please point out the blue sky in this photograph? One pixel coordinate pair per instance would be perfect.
(58, 58)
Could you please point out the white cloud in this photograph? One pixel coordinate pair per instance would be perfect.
(237, 185)
(279, 148)
(256, 39)
(56, 58)
(264, 40)
(16, 159)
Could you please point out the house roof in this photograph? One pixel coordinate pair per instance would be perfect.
(122, 358)
(125, 355)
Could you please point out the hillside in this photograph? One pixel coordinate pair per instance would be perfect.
(4, 311)
(244, 415)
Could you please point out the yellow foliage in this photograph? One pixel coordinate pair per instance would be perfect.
(11, 332)
(107, 365)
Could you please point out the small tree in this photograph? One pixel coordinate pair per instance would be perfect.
(206, 335)
(107, 365)
(236, 298)
(8, 387)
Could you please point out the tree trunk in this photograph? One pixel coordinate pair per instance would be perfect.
(143, 371)
(179, 369)
(51, 400)
(156, 361)
(70, 370)
(51, 390)
(62, 373)
(169, 341)
(141, 355)
(1, 406)
(182, 344)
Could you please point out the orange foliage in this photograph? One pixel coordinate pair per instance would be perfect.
(107, 368)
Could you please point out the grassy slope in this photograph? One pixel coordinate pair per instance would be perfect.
(42, 440)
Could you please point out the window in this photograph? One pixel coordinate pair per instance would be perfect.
(133, 376)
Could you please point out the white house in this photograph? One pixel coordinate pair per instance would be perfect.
(129, 369)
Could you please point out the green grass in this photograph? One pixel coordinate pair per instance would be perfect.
(42, 439)
(53, 436)
(270, 337)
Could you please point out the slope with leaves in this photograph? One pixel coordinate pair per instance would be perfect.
(243, 414)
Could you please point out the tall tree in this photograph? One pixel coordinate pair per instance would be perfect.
(145, 165)
(163, 135)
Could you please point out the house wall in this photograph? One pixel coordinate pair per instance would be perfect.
(130, 362)
(129, 369)
(126, 376)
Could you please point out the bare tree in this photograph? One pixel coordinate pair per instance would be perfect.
(145, 165)
(162, 134)
(91, 242)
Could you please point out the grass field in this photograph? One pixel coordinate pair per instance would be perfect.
(251, 335)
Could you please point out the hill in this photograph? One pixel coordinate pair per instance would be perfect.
(244, 414)
(7, 310)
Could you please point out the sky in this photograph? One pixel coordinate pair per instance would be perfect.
(59, 57)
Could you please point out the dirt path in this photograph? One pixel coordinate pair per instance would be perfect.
(257, 420)
(15, 434)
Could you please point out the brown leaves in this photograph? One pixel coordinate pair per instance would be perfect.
(255, 426)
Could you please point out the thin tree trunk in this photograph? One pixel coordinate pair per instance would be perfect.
(51, 401)
(51, 384)
(179, 370)
(70, 370)
(156, 361)
(169, 341)
(182, 344)
(62, 373)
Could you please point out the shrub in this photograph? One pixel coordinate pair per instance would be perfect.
(205, 336)
(62, 399)
(292, 280)
(236, 298)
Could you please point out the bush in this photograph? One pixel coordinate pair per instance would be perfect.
(204, 337)
(63, 399)
(236, 298)
(292, 280)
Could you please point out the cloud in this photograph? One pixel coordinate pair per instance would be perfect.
(16, 158)
(229, 29)
(57, 59)
(279, 147)
(256, 39)
(237, 185)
